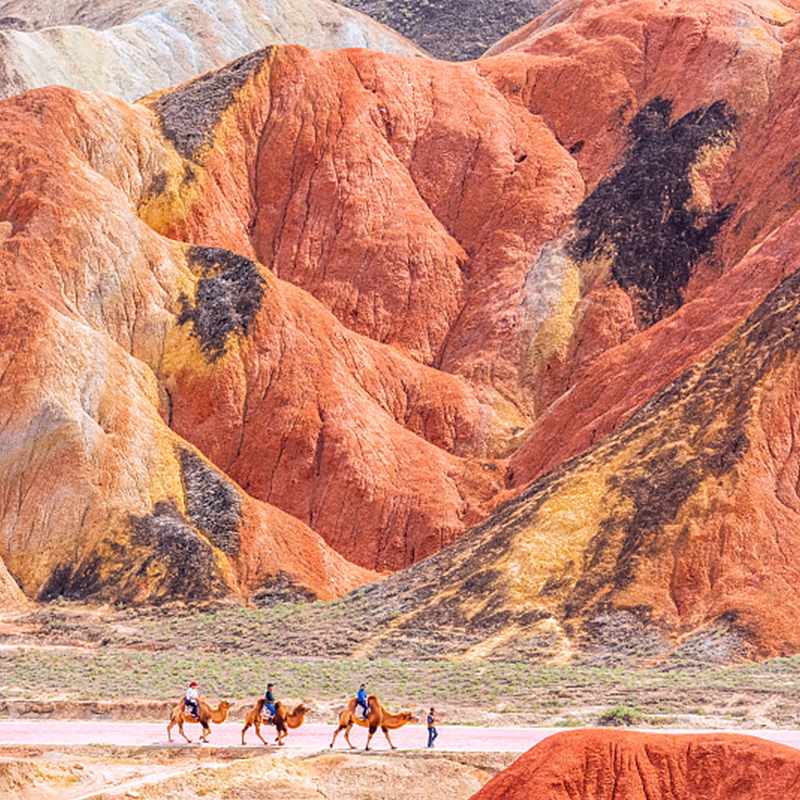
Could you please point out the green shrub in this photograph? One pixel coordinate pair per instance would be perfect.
(621, 716)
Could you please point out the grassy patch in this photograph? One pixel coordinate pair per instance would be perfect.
(234, 651)
(622, 717)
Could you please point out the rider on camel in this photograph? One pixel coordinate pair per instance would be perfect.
(191, 703)
(361, 699)
(269, 702)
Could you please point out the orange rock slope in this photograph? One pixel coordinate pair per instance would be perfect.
(608, 765)
(100, 498)
(376, 292)
(430, 207)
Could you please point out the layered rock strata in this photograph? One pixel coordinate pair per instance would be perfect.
(376, 292)
(133, 48)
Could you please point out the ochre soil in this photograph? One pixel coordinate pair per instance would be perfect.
(113, 773)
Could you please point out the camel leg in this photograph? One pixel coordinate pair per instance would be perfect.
(247, 725)
(179, 723)
(347, 736)
(206, 731)
(369, 737)
(258, 731)
(386, 734)
(336, 733)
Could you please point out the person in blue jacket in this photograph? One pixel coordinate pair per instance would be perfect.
(269, 702)
(432, 732)
(361, 699)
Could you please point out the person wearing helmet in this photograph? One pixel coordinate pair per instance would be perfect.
(191, 703)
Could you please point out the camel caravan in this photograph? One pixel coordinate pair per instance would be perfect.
(196, 710)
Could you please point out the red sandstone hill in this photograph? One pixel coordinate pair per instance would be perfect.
(607, 765)
(364, 297)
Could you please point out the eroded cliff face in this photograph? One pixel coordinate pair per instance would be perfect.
(676, 531)
(601, 765)
(100, 499)
(373, 296)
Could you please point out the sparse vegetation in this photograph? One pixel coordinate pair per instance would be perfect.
(232, 650)
(621, 716)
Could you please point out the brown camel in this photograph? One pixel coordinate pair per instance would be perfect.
(377, 717)
(207, 714)
(282, 721)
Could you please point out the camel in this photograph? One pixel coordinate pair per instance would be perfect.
(377, 717)
(207, 714)
(282, 721)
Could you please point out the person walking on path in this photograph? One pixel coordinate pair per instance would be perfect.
(432, 732)
(361, 699)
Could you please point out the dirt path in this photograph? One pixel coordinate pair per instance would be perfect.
(461, 738)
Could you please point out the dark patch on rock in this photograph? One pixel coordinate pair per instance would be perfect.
(15, 24)
(281, 587)
(695, 429)
(58, 585)
(189, 113)
(724, 642)
(453, 30)
(481, 581)
(625, 634)
(642, 215)
(190, 566)
(707, 410)
(227, 300)
(160, 558)
(212, 504)
(159, 183)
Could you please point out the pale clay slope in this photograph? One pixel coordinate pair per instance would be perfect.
(131, 49)
(290, 776)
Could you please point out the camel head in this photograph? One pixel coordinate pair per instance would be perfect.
(408, 716)
(224, 705)
(301, 709)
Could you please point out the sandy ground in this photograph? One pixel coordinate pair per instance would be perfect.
(69, 760)
(63, 759)
(110, 772)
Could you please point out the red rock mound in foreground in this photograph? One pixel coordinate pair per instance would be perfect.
(616, 765)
